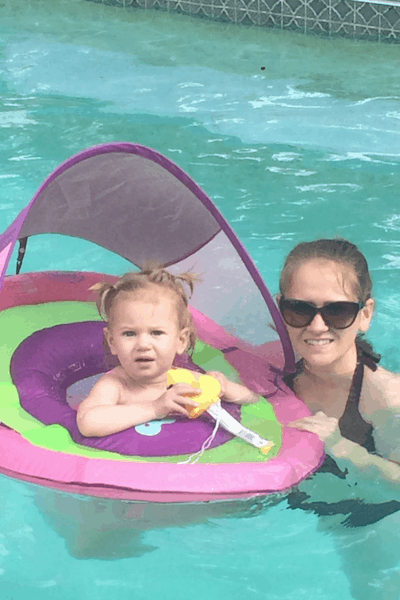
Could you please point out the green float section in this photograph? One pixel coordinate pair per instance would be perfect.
(18, 323)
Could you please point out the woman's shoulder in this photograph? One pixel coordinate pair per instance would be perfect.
(381, 389)
(380, 406)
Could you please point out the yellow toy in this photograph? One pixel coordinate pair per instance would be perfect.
(209, 401)
(210, 389)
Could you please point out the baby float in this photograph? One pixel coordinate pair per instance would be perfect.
(138, 204)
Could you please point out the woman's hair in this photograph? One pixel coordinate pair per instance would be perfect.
(338, 250)
(151, 279)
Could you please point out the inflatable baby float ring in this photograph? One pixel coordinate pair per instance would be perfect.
(39, 341)
(136, 203)
(51, 360)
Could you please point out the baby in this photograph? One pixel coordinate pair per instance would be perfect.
(148, 324)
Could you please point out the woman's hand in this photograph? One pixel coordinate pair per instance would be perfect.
(326, 428)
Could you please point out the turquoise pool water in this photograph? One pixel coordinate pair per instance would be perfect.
(306, 147)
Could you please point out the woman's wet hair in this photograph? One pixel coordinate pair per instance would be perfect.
(156, 281)
(338, 250)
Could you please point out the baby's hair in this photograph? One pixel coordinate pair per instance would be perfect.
(338, 250)
(145, 280)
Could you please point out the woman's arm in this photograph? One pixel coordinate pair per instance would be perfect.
(380, 405)
(348, 455)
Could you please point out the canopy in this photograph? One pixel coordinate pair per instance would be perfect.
(138, 204)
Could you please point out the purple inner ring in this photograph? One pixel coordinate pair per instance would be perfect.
(45, 364)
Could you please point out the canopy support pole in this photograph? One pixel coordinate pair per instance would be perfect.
(21, 253)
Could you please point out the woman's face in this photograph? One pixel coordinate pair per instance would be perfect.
(320, 282)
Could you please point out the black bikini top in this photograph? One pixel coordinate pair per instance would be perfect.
(351, 424)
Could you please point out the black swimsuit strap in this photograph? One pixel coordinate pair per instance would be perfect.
(351, 424)
(357, 513)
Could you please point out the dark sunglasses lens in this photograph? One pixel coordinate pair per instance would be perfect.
(340, 315)
(297, 314)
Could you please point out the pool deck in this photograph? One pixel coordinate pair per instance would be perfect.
(357, 19)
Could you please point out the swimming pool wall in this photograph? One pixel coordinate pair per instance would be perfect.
(379, 21)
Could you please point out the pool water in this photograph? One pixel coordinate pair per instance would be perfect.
(293, 138)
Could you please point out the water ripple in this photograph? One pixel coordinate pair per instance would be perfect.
(329, 188)
(257, 110)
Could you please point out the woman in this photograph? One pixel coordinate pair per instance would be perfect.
(325, 300)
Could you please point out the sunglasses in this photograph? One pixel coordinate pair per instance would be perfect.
(336, 315)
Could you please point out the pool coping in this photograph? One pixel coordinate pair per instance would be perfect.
(377, 20)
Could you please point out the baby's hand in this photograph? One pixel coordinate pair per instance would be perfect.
(220, 377)
(233, 392)
(174, 400)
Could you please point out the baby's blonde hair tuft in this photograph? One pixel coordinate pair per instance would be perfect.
(144, 280)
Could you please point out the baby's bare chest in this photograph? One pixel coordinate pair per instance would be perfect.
(133, 396)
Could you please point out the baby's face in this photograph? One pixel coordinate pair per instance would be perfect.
(144, 334)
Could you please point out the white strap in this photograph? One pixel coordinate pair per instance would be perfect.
(233, 426)
(193, 458)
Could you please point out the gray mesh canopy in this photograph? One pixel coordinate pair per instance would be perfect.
(138, 204)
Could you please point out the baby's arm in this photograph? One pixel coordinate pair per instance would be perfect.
(101, 413)
(234, 392)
